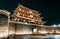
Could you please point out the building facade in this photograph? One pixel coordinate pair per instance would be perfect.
(4, 23)
(25, 14)
(24, 21)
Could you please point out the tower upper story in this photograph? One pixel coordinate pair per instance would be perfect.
(24, 14)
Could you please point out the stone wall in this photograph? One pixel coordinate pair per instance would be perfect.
(19, 29)
(3, 25)
(23, 29)
(11, 29)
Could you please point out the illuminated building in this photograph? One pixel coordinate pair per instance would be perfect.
(4, 23)
(27, 17)
(25, 14)
(22, 21)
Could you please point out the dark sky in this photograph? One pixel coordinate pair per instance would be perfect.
(48, 8)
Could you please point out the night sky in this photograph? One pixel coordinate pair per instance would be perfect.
(48, 8)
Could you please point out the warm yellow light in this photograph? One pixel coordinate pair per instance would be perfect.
(18, 14)
(19, 9)
(3, 34)
(32, 21)
(31, 15)
(35, 30)
(11, 32)
(24, 32)
(43, 31)
(30, 11)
